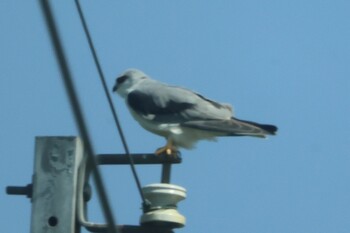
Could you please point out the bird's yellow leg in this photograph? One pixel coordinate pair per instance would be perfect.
(168, 149)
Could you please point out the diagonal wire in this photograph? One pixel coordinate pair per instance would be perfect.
(79, 119)
(114, 113)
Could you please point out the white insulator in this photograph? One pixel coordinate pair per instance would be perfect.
(163, 200)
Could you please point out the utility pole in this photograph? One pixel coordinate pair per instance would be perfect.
(59, 192)
(55, 177)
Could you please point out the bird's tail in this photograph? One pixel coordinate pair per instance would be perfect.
(233, 127)
(256, 129)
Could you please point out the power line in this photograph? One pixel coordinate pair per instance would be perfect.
(114, 113)
(75, 105)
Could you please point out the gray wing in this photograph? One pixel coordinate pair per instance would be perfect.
(169, 104)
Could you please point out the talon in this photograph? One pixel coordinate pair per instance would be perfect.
(166, 150)
(169, 149)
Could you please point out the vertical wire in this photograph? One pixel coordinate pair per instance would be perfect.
(79, 119)
(115, 117)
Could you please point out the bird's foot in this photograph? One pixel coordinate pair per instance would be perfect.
(170, 151)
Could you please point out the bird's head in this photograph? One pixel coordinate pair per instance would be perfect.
(126, 82)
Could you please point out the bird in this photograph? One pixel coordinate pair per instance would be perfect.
(183, 117)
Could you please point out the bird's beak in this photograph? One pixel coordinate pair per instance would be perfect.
(115, 87)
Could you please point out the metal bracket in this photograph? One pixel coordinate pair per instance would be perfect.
(122, 159)
(145, 159)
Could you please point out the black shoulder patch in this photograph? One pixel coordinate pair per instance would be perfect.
(145, 104)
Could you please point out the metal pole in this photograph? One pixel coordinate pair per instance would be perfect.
(55, 184)
(166, 171)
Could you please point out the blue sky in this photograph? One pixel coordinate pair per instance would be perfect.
(281, 62)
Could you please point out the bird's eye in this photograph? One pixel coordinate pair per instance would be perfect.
(121, 79)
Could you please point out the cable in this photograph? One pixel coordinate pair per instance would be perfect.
(114, 113)
(79, 119)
